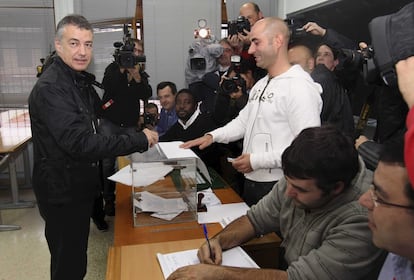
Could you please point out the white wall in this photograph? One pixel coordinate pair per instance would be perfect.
(168, 32)
(289, 6)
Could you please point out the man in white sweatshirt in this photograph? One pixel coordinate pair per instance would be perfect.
(280, 105)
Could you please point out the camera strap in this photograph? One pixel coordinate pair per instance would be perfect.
(363, 116)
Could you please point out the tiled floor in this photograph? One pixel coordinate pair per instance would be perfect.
(24, 254)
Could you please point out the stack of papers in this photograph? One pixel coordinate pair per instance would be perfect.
(163, 208)
(234, 257)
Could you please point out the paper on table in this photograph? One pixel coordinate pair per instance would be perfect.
(172, 151)
(228, 211)
(150, 202)
(145, 173)
(172, 261)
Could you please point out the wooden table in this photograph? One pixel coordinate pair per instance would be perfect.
(126, 234)
(264, 250)
(13, 143)
(140, 261)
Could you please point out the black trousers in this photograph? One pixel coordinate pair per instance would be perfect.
(254, 191)
(67, 232)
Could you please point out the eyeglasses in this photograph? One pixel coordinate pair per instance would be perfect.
(378, 201)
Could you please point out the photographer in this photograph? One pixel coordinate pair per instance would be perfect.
(249, 14)
(392, 112)
(241, 40)
(150, 117)
(120, 111)
(232, 95)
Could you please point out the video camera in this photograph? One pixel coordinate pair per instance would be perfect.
(238, 25)
(230, 85)
(124, 51)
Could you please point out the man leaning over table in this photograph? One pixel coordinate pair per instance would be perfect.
(314, 208)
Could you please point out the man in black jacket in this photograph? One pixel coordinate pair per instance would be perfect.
(67, 149)
(336, 109)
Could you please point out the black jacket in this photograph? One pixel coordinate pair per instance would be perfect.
(66, 147)
(124, 97)
(336, 109)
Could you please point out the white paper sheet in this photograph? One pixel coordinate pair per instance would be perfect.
(172, 151)
(145, 173)
(234, 257)
(218, 213)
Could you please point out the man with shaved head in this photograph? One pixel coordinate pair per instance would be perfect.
(280, 105)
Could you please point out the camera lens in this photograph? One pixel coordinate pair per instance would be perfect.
(229, 86)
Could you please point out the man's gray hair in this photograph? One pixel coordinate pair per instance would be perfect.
(76, 20)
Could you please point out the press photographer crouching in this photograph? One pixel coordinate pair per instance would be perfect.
(125, 84)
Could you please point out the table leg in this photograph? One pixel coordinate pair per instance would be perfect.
(7, 227)
(27, 170)
(16, 203)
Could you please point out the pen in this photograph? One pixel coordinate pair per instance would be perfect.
(208, 241)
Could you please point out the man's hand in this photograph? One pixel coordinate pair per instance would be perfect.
(314, 28)
(203, 253)
(202, 142)
(152, 136)
(244, 37)
(405, 74)
(242, 163)
(134, 73)
(235, 43)
(361, 139)
(198, 271)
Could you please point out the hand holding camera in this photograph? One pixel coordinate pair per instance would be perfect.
(233, 82)
(239, 30)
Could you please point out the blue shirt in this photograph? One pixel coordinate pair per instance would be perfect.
(167, 119)
(396, 268)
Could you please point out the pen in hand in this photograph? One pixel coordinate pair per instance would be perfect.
(208, 241)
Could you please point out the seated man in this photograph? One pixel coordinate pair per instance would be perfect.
(192, 124)
(390, 204)
(315, 208)
(166, 94)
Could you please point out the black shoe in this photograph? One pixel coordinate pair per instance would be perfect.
(109, 208)
(101, 224)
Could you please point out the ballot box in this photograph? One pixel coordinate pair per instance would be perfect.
(163, 187)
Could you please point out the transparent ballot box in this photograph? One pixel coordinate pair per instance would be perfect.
(163, 189)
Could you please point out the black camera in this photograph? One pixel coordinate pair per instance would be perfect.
(238, 25)
(124, 52)
(149, 119)
(230, 85)
(295, 29)
(361, 60)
